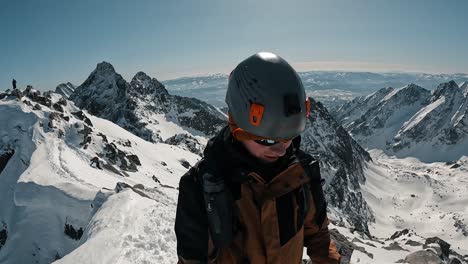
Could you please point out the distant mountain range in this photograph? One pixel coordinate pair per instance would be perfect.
(332, 88)
(411, 121)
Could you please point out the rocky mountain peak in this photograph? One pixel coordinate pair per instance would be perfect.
(141, 76)
(408, 93)
(446, 89)
(65, 89)
(142, 83)
(464, 87)
(105, 68)
(144, 107)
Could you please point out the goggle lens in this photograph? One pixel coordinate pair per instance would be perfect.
(267, 142)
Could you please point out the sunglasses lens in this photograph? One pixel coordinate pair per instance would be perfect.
(266, 142)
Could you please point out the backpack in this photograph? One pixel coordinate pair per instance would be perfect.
(218, 198)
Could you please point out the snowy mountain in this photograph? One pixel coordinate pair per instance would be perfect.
(144, 107)
(332, 88)
(342, 164)
(65, 89)
(57, 168)
(411, 121)
(464, 87)
(79, 189)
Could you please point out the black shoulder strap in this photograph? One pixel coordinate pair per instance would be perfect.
(312, 169)
(218, 203)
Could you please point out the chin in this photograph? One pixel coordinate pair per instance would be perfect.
(269, 159)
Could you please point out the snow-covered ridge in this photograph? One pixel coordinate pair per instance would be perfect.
(61, 165)
(411, 121)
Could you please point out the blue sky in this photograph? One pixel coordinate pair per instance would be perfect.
(47, 42)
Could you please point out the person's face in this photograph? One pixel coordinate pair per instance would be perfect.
(267, 154)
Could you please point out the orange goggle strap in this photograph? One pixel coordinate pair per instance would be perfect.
(307, 107)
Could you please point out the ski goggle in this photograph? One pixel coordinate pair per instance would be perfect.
(268, 142)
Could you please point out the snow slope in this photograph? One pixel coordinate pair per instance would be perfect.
(429, 198)
(48, 182)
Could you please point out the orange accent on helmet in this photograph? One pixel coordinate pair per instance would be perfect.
(256, 114)
(240, 134)
(307, 107)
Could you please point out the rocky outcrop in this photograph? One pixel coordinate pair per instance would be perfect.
(3, 235)
(186, 142)
(117, 157)
(345, 247)
(65, 89)
(341, 162)
(5, 156)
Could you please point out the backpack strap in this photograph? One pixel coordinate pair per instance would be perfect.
(312, 170)
(218, 203)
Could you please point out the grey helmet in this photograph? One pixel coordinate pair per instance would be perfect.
(266, 97)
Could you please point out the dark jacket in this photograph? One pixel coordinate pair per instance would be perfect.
(269, 226)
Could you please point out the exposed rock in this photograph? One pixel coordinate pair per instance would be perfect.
(111, 168)
(116, 156)
(27, 102)
(413, 243)
(399, 234)
(17, 93)
(62, 101)
(422, 257)
(3, 233)
(185, 163)
(444, 246)
(86, 131)
(139, 186)
(57, 107)
(104, 137)
(64, 117)
(80, 115)
(37, 107)
(394, 246)
(341, 165)
(5, 156)
(44, 101)
(186, 142)
(155, 179)
(134, 158)
(346, 248)
(71, 232)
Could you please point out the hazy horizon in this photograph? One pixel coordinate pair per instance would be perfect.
(49, 42)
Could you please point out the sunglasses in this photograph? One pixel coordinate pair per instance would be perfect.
(268, 142)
